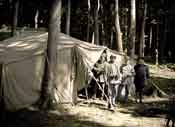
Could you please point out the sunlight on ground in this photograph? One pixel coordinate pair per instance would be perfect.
(161, 71)
(120, 118)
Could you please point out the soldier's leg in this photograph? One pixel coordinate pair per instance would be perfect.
(120, 87)
(136, 94)
(140, 95)
(103, 90)
(95, 91)
(110, 96)
(115, 93)
(172, 123)
(126, 93)
(128, 87)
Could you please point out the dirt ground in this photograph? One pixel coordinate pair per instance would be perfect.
(92, 113)
(127, 115)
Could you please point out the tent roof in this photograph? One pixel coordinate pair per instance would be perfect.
(34, 43)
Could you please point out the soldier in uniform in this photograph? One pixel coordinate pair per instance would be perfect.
(114, 79)
(127, 72)
(141, 76)
(100, 74)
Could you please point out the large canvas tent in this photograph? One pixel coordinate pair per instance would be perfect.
(23, 61)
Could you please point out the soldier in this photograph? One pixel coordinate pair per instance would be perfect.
(114, 79)
(141, 76)
(100, 74)
(127, 72)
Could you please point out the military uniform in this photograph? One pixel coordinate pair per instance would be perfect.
(127, 71)
(100, 70)
(114, 79)
(141, 76)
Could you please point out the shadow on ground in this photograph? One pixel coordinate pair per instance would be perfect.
(156, 109)
(4, 35)
(26, 118)
(165, 84)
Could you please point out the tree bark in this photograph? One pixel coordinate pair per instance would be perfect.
(15, 17)
(103, 35)
(132, 31)
(68, 17)
(51, 59)
(93, 38)
(88, 26)
(111, 39)
(164, 35)
(117, 29)
(142, 36)
(96, 31)
(150, 37)
(36, 19)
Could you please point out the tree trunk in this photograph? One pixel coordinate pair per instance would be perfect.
(88, 25)
(132, 31)
(103, 35)
(150, 37)
(68, 17)
(51, 59)
(142, 38)
(157, 44)
(15, 17)
(117, 29)
(93, 38)
(96, 33)
(163, 37)
(36, 19)
(111, 39)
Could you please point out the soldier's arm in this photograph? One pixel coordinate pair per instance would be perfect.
(119, 74)
(147, 72)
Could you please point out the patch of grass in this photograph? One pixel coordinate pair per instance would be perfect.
(167, 85)
(4, 35)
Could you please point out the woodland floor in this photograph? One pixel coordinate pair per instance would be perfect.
(93, 113)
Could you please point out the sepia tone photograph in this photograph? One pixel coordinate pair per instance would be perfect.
(87, 63)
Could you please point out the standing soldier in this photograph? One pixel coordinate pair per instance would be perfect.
(114, 79)
(141, 76)
(100, 74)
(127, 71)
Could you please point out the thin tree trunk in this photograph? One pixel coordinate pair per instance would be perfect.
(164, 37)
(96, 33)
(117, 28)
(111, 39)
(157, 45)
(88, 26)
(15, 17)
(93, 38)
(51, 60)
(150, 37)
(68, 18)
(142, 38)
(103, 35)
(132, 31)
(36, 18)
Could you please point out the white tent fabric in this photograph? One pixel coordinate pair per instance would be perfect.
(23, 64)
